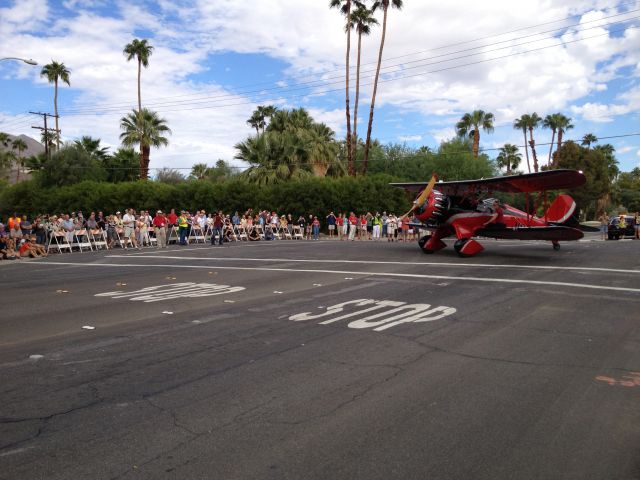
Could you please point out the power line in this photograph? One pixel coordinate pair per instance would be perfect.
(399, 77)
(400, 56)
(340, 79)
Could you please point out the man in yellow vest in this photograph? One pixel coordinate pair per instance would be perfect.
(183, 227)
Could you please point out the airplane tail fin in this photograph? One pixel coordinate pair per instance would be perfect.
(561, 210)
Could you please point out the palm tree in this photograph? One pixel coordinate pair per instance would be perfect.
(608, 152)
(471, 123)
(509, 157)
(55, 71)
(521, 124)
(141, 50)
(551, 122)
(588, 139)
(19, 145)
(322, 150)
(363, 20)
(147, 130)
(5, 139)
(256, 121)
(48, 138)
(384, 4)
(199, 171)
(564, 124)
(532, 122)
(92, 147)
(345, 8)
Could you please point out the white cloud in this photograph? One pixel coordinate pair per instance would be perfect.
(410, 138)
(308, 37)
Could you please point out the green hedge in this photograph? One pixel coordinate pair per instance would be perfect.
(312, 196)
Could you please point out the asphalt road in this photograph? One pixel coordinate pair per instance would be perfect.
(323, 360)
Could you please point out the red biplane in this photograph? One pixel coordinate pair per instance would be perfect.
(465, 209)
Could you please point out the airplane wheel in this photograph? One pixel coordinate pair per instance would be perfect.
(556, 246)
(422, 242)
(459, 244)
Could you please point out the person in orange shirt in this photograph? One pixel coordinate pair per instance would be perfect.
(13, 220)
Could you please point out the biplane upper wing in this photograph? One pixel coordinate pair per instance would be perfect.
(528, 182)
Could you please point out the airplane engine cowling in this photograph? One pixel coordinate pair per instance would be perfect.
(433, 210)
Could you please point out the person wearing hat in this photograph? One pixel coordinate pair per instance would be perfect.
(160, 223)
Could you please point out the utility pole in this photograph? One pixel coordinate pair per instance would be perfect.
(46, 131)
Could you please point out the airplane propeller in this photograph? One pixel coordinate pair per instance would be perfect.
(423, 196)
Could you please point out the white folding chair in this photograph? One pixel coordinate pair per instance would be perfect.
(297, 233)
(98, 238)
(196, 234)
(173, 235)
(122, 240)
(81, 240)
(58, 240)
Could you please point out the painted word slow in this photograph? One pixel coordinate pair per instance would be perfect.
(173, 291)
(377, 314)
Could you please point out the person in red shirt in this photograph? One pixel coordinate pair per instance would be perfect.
(218, 224)
(160, 223)
(339, 222)
(353, 222)
(172, 218)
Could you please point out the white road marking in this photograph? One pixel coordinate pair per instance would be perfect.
(173, 291)
(378, 262)
(364, 274)
(415, 313)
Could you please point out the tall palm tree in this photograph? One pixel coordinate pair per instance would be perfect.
(471, 123)
(345, 8)
(55, 71)
(256, 121)
(551, 122)
(363, 20)
(147, 130)
(532, 122)
(509, 157)
(564, 124)
(384, 4)
(588, 139)
(20, 146)
(521, 124)
(141, 50)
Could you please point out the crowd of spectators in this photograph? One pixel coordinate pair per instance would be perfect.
(22, 237)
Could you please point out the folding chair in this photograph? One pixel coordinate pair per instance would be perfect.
(286, 233)
(196, 233)
(258, 228)
(297, 233)
(148, 237)
(208, 233)
(276, 231)
(98, 238)
(81, 240)
(58, 240)
(242, 233)
(173, 235)
(121, 239)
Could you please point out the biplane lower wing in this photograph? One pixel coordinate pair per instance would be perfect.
(552, 233)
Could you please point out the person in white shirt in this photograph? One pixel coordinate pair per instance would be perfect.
(129, 222)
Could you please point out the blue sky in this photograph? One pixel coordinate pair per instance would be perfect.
(214, 61)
